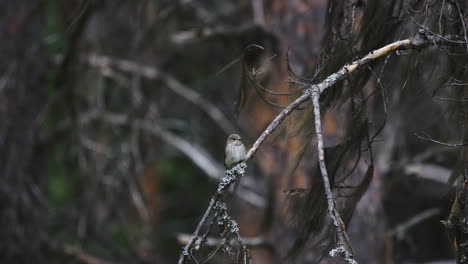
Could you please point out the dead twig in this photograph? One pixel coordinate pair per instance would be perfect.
(428, 138)
(251, 242)
(343, 246)
(229, 178)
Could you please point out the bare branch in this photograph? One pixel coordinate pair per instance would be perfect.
(251, 242)
(276, 122)
(343, 245)
(229, 178)
(449, 99)
(428, 138)
(198, 155)
(462, 19)
(400, 230)
(429, 171)
(345, 71)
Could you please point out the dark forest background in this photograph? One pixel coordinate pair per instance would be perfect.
(114, 115)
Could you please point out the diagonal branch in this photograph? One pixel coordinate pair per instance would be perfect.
(417, 43)
(230, 177)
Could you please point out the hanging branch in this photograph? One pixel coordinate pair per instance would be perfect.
(343, 246)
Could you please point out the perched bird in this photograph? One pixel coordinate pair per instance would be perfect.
(234, 152)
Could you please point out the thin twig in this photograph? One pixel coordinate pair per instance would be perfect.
(251, 242)
(428, 138)
(276, 122)
(343, 245)
(194, 238)
(449, 99)
(263, 98)
(258, 85)
(432, 32)
(462, 18)
(440, 17)
(267, 62)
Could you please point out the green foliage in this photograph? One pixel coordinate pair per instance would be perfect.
(59, 182)
(174, 173)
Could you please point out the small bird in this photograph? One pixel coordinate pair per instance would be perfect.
(234, 152)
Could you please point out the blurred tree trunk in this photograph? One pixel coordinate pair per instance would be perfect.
(21, 66)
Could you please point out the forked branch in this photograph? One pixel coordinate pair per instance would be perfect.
(314, 91)
(417, 43)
